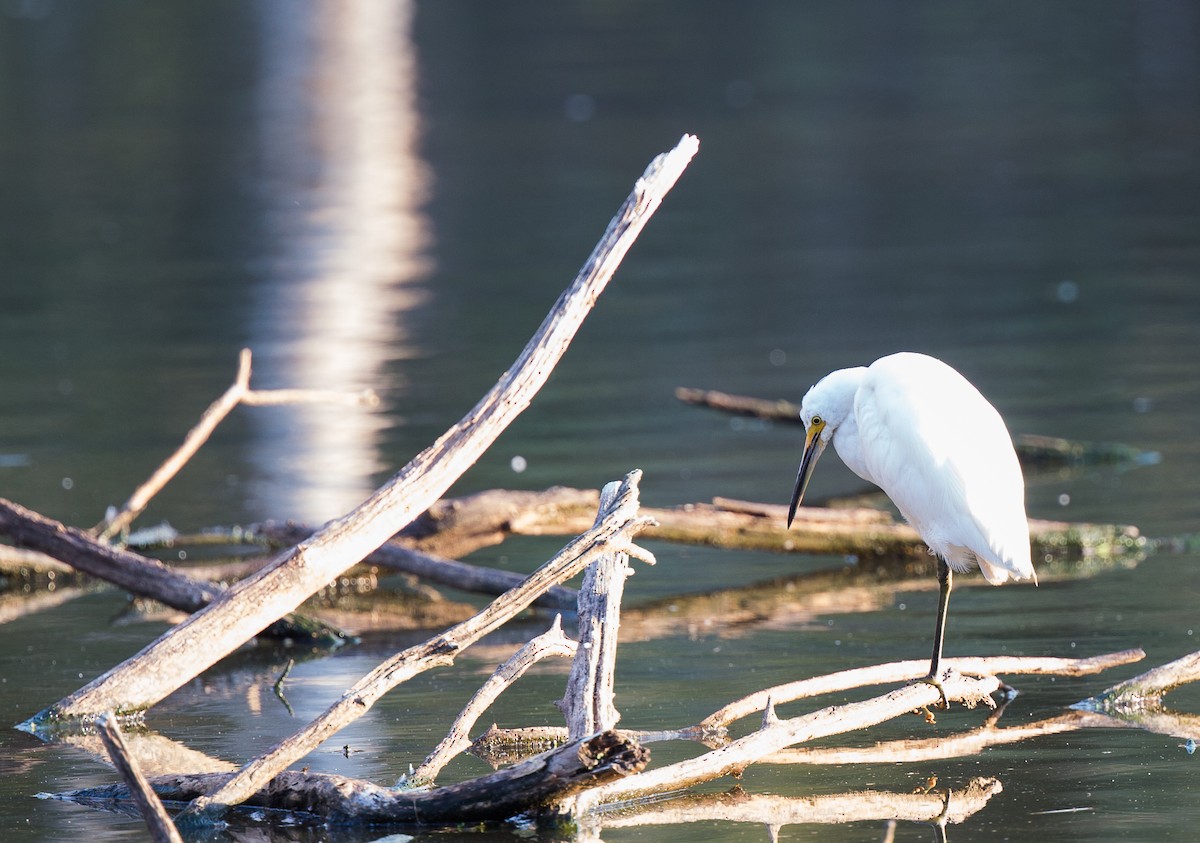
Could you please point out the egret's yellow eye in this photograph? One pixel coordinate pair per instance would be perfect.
(817, 421)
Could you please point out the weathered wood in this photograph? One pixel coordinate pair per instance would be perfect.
(130, 571)
(499, 796)
(776, 734)
(1032, 449)
(138, 574)
(551, 643)
(457, 526)
(217, 630)
(906, 671)
(162, 830)
(1144, 693)
(614, 529)
(238, 393)
(396, 555)
(938, 806)
(588, 702)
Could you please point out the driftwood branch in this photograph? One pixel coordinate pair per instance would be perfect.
(614, 528)
(938, 806)
(906, 671)
(162, 830)
(225, 624)
(520, 789)
(777, 734)
(458, 526)
(1145, 692)
(552, 642)
(136, 574)
(588, 703)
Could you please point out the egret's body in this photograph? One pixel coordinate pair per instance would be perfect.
(920, 431)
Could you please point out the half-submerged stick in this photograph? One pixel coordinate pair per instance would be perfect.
(211, 634)
(162, 830)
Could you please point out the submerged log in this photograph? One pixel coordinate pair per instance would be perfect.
(864, 533)
(1032, 449)
(137, 574)
(520, 789)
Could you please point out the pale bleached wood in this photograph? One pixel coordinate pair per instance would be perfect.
(589, 701)
(952, 806)
(210, 634)
(886, 674)
(495, 797)
(162, 830)
(614, 530)
(551, 643)
(737, 755)
(1145, 692)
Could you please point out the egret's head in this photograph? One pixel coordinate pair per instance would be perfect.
(824, 408)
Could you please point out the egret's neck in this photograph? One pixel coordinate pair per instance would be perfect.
(847, 443)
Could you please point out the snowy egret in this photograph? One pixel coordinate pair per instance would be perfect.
(920, 431)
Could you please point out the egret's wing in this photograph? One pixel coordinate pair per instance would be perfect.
(944, 456)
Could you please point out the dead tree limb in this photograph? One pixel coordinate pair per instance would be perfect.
(139, 575)
(162, 830)
(225, 624)
(614, 530)
(552, 642)
(588, 703)
(942, 805)
(777, 734)
(1145, 692)
(1031, 448)
(885, 674)
(517, 790)
(460, 525)
(396, 555)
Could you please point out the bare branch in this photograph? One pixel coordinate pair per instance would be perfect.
(614, 526)
(588, 701)
(886, 674)
(162, 830)
(196, 437)
(225, 624)
(552, 642)
(741, 753)
(1145, 692)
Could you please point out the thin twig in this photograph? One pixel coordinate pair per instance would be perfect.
(196, 437)
(552, 642)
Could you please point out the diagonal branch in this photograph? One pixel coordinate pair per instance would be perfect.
(209, 635)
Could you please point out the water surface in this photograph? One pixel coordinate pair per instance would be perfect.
(392, 197)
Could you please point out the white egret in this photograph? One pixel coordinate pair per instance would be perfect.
(920, 431)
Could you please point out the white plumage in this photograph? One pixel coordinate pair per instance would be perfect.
(920, 431)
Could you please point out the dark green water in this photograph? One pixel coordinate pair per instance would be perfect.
(392, 196)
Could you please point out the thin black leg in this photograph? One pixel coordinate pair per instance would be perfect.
(945, 581)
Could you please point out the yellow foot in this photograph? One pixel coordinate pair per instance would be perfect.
(936, 682)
